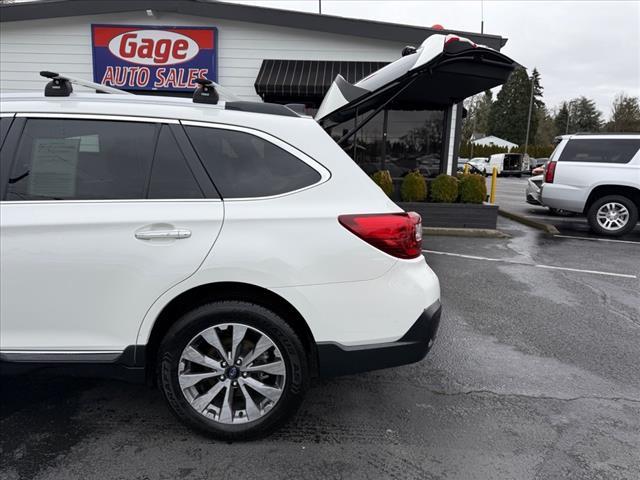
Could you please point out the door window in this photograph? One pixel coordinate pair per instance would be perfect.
(72, 159)
(171, 176)
(242, 165)
(5, 123)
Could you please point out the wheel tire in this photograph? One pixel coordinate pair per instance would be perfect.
(592, 215)
(188, 328)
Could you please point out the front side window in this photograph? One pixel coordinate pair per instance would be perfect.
(242, 165)
(73, 159)
(607, 150)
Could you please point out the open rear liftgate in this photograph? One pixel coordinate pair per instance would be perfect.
(443, 71)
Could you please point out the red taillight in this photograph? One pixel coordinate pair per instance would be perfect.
(398, 234)
(550, 172)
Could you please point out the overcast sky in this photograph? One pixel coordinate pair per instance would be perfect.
(589, 48)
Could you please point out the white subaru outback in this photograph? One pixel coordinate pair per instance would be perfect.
(218, 250)
(228, 251)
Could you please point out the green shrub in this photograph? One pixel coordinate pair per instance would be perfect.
(473, 188)
(444, 189)
(382, 178)
(413, 188)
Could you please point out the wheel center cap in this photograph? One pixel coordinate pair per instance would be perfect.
(233, 372)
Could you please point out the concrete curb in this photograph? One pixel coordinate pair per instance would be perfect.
(545, 227)
(464, 232)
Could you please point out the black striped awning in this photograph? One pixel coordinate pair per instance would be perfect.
(307, 78)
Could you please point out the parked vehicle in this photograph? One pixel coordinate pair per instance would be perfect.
(532, 192)
(477, 164)
(532, 196)
(461, 163)
(508, 164)
(597, 175)
(537, 164)
(538, 171)
(215, 249)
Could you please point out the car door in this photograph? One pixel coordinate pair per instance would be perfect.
(100, 216)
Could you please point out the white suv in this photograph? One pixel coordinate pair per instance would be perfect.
(228, 252)
(598, 175)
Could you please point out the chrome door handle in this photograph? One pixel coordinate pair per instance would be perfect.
(159, 234)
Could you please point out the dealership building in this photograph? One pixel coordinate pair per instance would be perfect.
(260, 54)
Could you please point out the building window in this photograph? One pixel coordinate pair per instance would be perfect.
(397, 140)
(414, 141)
(369, 150)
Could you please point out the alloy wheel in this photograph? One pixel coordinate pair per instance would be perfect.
(232, 373)
(612, 216)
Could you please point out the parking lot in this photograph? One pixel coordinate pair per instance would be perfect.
(510, 195)
(534, 375)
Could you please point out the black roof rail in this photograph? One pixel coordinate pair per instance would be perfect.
(207, 92)
(605, 133)
(61, 85)
(258, 107)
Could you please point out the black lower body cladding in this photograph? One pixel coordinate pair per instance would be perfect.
(335, 359)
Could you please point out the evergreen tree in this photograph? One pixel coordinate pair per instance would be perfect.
(625, 114)
(584, 116)
(561, 120)
(509, 113)
(478, 108)
(546, 131)
(578, 115)
(482, 112)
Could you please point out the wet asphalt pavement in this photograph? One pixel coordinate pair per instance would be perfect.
(535, 374)
(510, 195)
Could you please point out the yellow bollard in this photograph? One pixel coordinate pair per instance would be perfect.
(494, 180)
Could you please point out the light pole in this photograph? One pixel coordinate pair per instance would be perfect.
(526, 141)
(473, 125)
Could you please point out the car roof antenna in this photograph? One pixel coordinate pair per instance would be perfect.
(61, 85)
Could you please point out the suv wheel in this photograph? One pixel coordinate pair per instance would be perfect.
(232, 369)
(612, 215)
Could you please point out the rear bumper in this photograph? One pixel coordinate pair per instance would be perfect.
(563, 197)
(335, 359)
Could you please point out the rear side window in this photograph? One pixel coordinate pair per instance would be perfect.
(171, 176)
(5, 123)
(600, 150)
(69, 159)
(242, 165)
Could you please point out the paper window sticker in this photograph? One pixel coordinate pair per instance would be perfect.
(89, 143)
(54, 164)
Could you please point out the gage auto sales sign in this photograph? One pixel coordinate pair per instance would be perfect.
(153, 58)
